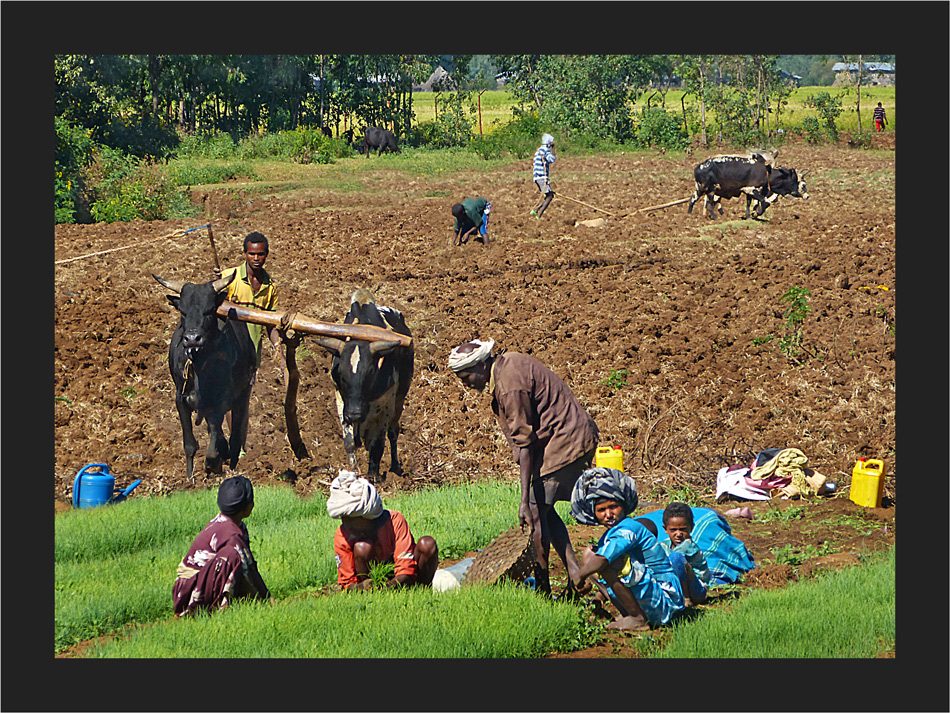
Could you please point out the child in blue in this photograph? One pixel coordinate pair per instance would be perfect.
(687, 559)
(632, 568)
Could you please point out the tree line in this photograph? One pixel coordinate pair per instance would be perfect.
(139, 103)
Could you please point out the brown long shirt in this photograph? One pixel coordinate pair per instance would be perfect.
(536, 409)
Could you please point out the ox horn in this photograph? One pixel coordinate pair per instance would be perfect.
(382, 347)
(804, 172)
(220, 284)
(173, 285)
(330, 344)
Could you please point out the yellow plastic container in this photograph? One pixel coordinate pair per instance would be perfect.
(609, 457)
(867, 482)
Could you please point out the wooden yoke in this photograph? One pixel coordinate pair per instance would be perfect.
(291, 325)
(305, 325)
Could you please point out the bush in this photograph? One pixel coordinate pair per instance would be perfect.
(209, 145)
(660, 128)
(520, 137)
(861, 140)
(811, 130)
(123, 188)
(73, 152)
(828, 109)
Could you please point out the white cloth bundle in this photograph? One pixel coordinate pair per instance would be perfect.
(461, 361)
(733, 482)
(352, 496)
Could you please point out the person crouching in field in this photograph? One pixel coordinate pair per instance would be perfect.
(370, 534)
(631, 567)
(220, 568)
(471, 220)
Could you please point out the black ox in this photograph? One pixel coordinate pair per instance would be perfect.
(381, 140)
(213, 363)
(731, 176)
(371, 380)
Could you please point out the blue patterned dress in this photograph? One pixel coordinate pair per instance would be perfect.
(645, 569)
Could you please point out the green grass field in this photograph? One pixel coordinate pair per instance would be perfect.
(115, 566)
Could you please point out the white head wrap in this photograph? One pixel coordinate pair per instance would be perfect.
(460, 362)
(352, 496)
(547, 139)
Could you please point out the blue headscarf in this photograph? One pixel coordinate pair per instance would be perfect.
(598, 484)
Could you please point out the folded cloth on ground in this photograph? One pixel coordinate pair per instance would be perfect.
(727, 556)
(785, 464)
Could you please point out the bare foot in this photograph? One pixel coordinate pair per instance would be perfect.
(629, 623)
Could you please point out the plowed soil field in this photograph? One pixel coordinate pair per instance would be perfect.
(668, 326)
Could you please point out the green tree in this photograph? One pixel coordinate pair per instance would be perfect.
(696, 71)
(590, 94)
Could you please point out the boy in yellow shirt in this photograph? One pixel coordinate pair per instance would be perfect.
(253, 287)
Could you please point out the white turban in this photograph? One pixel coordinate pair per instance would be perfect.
(547, 139)
(466, 360)
(352, 496)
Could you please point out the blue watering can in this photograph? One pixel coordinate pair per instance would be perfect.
(93, 489)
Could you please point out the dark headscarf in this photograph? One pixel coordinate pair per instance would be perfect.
(598, 484)
(235, 494)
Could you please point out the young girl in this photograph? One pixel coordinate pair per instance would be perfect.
(632, 568)
(685, 556)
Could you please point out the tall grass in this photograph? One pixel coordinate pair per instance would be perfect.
(845, 614)
(477, 622)
(116, 565)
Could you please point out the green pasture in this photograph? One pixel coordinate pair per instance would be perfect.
(496, 106)
(114, 569)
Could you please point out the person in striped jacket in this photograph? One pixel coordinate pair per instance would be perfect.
(543, 158)
(880, 119)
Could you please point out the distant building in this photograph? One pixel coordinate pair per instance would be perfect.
(878, 73)
(793, 80)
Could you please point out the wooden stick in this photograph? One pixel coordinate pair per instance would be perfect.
(292, 378)
(558, 193)
(302, 323)
(665, 205)
(126, 247)
(214, 254)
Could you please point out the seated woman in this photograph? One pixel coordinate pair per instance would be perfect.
(219, 567)
(370, 534)
(631, 567)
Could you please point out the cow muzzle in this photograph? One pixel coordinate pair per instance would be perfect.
(354, 415)
(194, 343)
